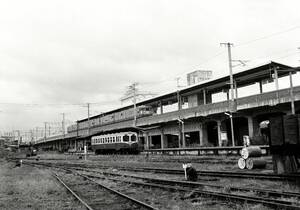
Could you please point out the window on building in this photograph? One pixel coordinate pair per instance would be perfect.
(133, 138)
(125, 138)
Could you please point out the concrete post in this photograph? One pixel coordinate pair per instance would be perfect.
(162, 140)
(150, 141)
(276, 83)
(204, 96)
(201, 134)
(146, 143)
(161, 107)
(236, 90)
(204, 134)
(219, 132)
(179, 100)
(260, 87)
(250, 127)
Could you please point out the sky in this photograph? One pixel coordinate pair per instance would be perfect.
(56, 56)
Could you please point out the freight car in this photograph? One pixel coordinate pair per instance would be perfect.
(122, 143)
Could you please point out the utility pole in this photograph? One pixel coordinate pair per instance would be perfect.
(228, 45)
(177, 82)
(134, 102)
(31, 136)
(63, 124)
(37, 133)
(88, 107)
(292, 93)
(45, 132)
(132, 92)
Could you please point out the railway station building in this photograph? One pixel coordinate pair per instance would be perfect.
(203, 115)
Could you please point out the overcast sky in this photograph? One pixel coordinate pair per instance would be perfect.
(56, 56)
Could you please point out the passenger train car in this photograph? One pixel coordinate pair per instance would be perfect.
(111, 117)
(123, 143)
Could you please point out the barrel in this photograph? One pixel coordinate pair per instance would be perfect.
(253, 151)
(252, 163)
(242, 163)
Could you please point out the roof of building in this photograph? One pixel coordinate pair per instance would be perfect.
(214, 85)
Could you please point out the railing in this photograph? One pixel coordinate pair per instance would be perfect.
(269, 98)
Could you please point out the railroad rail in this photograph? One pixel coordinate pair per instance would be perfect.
(205, 150)
(171, 185)
(200, 184)
(181, 186)
(206, 173)
(91, 202)
(224, 174)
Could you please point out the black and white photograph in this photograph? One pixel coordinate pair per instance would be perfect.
(149, 104)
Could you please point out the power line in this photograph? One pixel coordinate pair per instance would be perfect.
(268, 36)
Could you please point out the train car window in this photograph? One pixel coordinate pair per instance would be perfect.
(125, 138)
(114, 139)
(133, 138)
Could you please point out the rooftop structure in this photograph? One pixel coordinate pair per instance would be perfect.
(198, 76)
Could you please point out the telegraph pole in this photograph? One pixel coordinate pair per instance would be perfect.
(88, 107)
(228, 45)
(45, 132)
(292, 93)
(134, 102)
(63, 124)
(36, 133)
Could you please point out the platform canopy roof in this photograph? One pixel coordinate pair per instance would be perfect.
(242, 78)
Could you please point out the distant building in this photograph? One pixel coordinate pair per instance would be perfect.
(198, 76)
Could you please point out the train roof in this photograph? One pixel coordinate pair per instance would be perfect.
(114, 134)
(243, 78)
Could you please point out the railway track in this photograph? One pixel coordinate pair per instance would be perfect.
(93, 195)
(193, 187)
(265, 197)
(273, 193)
(202, 173)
